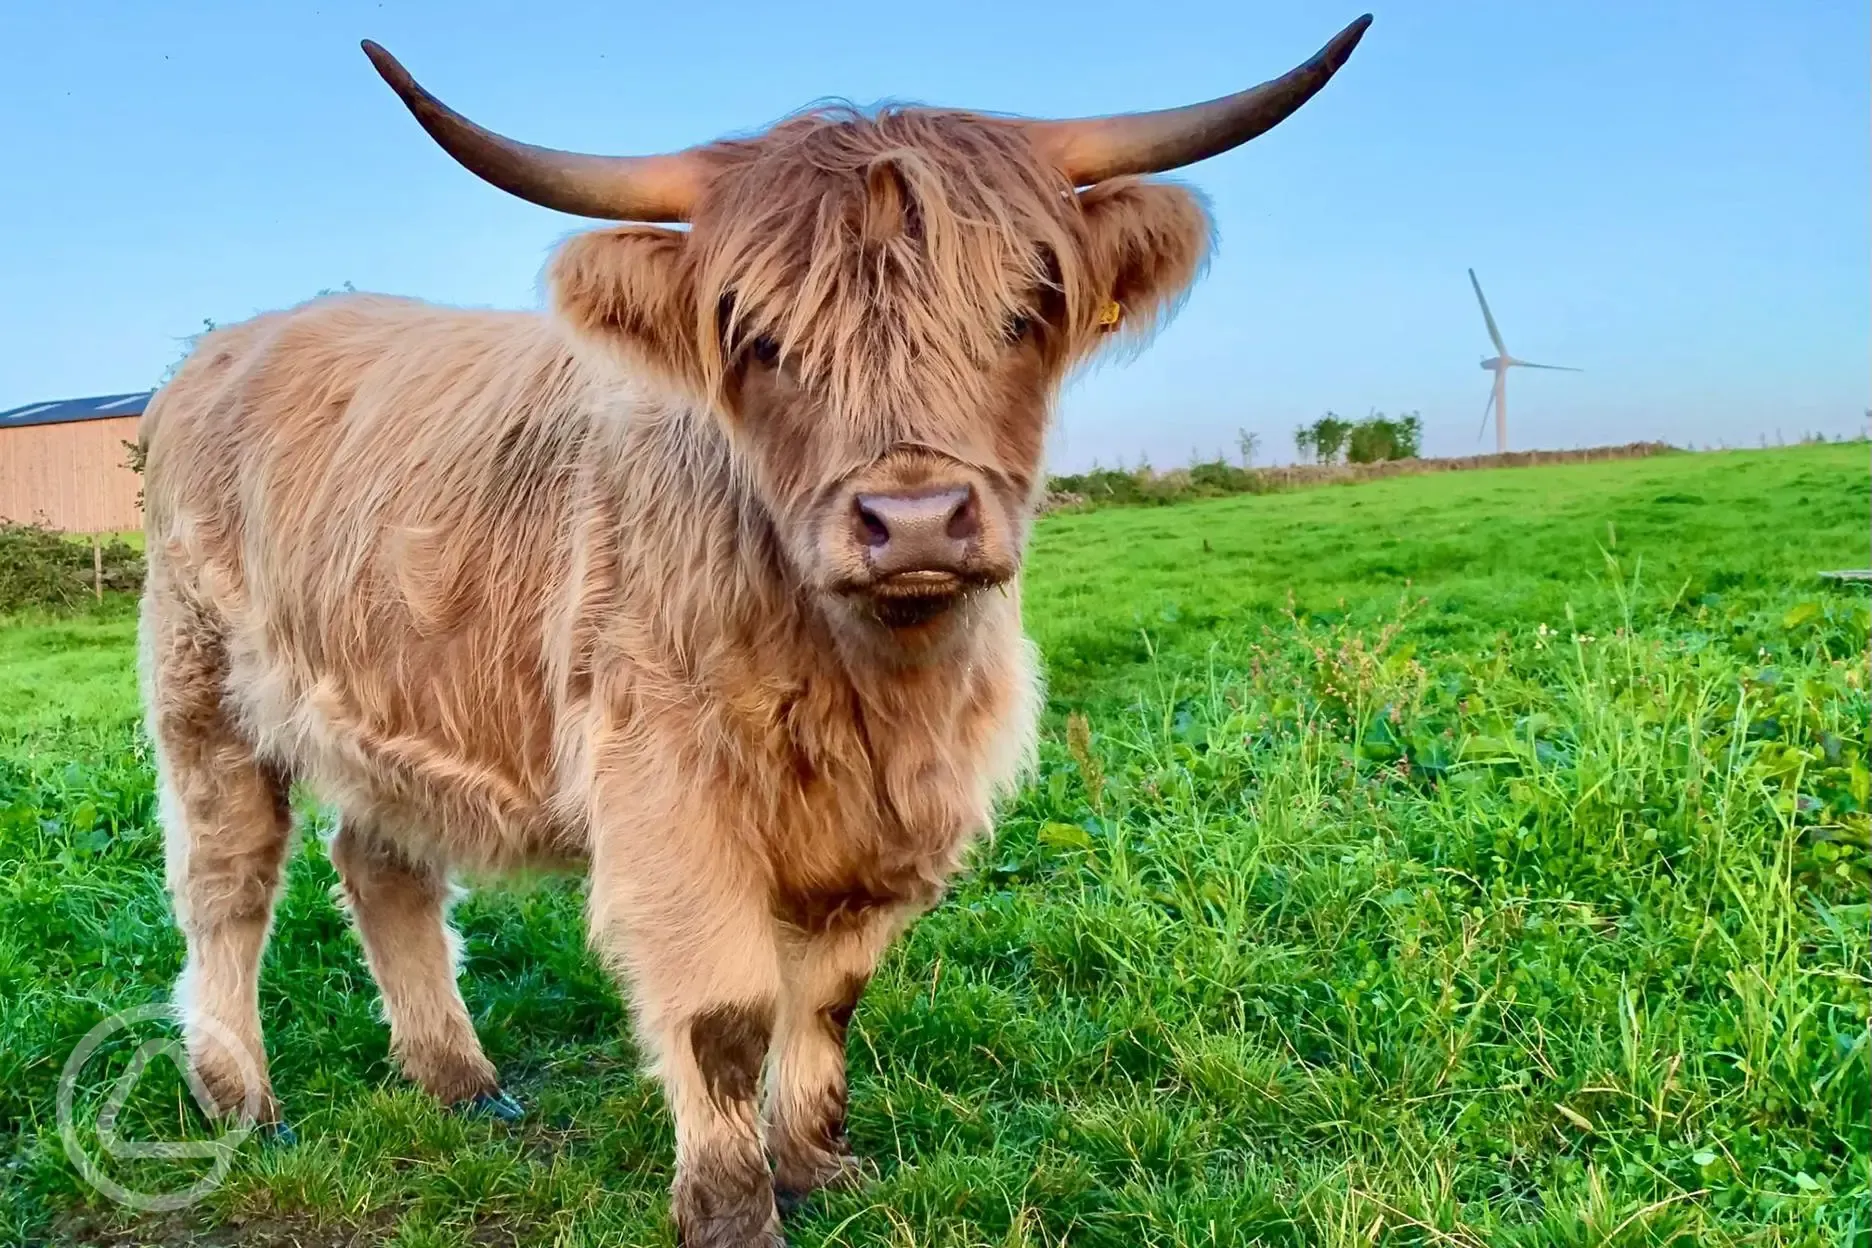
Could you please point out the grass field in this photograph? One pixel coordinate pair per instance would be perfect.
(1457, 860)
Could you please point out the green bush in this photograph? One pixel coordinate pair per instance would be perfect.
(1104, 487)
(1379, 438)
(42, 567)
(1373, 440)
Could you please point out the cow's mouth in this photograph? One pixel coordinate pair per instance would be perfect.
(911, 599)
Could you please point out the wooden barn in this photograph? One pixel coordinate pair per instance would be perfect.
(65, 463)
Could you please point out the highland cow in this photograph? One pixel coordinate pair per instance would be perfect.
(706, 582)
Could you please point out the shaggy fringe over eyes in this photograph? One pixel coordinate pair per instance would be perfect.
(944, 220)
(883, 257)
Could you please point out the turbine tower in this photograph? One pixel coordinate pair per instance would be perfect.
(1499, 364)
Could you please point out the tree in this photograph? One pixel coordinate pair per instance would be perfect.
(1324, 439)
(1378, 438)
(1248, 444)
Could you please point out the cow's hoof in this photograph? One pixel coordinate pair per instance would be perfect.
(277, 1134)
(848, 1174)
(495, 1104)
(853, 1173)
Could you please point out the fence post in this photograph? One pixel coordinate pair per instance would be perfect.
(97, 566)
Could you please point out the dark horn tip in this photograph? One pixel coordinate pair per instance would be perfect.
(386, 65)
(1347, 39)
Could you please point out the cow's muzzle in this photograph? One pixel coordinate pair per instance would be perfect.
(921, 550)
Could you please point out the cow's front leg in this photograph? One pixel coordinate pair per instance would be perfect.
(826, 969)
(684, 920)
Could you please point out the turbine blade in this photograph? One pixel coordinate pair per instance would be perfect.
(1558, 368)
(1493, 333)
(1486, 409)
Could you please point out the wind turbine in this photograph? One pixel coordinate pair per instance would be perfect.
(1499, 364)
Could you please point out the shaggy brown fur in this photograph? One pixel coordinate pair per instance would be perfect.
(583, 589)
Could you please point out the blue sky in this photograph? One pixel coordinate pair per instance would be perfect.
(1671, 195)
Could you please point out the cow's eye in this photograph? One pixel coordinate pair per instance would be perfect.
(1017, 327)
(765, 351)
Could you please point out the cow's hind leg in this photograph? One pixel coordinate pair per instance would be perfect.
(226, 832)
(693, 934)
(826, 973)
(400, 910)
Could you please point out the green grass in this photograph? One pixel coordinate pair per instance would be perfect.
(1453, 860)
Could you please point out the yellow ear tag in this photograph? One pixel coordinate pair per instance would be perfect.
(1109, 316)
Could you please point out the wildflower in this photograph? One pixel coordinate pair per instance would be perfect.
(1079, 745)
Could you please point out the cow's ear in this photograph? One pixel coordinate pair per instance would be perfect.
(628, 290)
(1148, 241)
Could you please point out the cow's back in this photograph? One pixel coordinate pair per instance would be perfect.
(368, 500)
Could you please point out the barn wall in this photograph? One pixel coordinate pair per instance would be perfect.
(72, 476)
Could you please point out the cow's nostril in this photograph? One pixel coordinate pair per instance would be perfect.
(872, 530)
(965, 520)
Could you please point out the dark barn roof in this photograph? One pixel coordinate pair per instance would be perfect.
(62, 411)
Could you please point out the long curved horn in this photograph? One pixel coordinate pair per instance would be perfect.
(615, 188)
(1091, 149)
